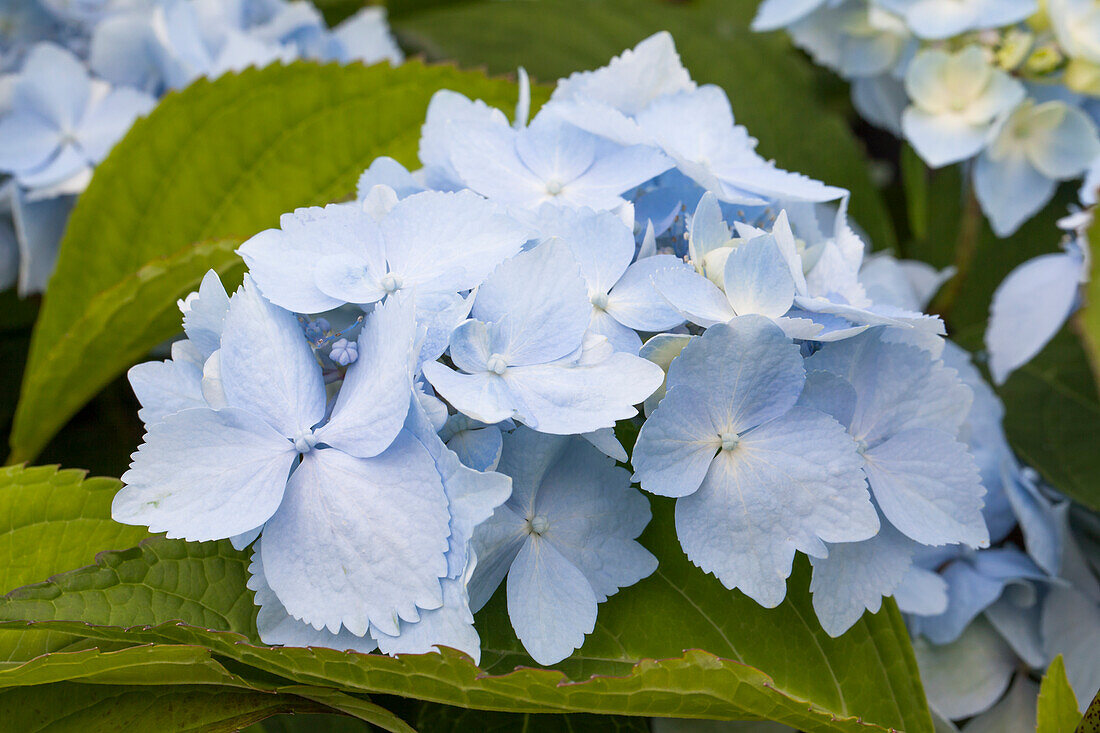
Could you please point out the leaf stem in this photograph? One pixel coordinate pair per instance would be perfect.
(966, 245)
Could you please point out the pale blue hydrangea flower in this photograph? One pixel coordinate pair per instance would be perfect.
(206, 473)
(1034, 148)
(184, 381)
(1013, 497)
(524, 354)
(22, 24)
(756, 477)
(696, 129)
(1031, 305)
(473, 496)
(1013, 713)
(976, 580)
(1033, 619)
(386, 172)
(620, 290)
(364, 36)
(765, 273)
(734, 277)
(905, 284)
(835, 296)
(775, 14)
(549, 161)
(855, 39)
(956, 98)
(88, 12)
(32, 231)
(445, 109)
(477, 445)
(646, 97)
(62, 122)
(166, 387)
(607, 101)
(856, 576)
(1075, 24)
(432, 245)
(661, 350)
(984, 435)
(940, 19)
(565, 540)
(881, 100)
(968, 676)
(276, 626)
(1070, 623)
(755, 279)
(904, 409)
(166, 45)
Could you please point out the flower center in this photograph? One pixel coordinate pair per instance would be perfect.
(304, 441)
(391, 283)
(553, 187)
(729, 441)
(600, 301)
(538, 524)
(496, 364)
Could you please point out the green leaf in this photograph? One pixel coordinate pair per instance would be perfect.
(758, 663)
(51, 521)
(74, 708)
(775, 93)
(179, 667)
(446, 719)
(1053, 416)
(1057, 703)
(159, 664)
(310, 724)
(220, 160)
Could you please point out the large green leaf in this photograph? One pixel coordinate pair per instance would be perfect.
(446, 719)
(1057, 706)
(757, 663)
(51, 521)
(219, 160)
(776, 94)
(66, 707)
(1052, 418)
(167, 673)
(157, 664)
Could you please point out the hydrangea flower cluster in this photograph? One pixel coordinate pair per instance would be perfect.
(410, 401)
(75, 76)
(1009, 86)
